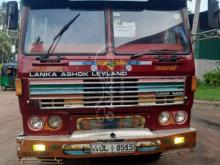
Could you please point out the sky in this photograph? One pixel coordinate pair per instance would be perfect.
(203, 6)
(191, 5)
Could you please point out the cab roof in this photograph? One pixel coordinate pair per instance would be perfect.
(148, 4)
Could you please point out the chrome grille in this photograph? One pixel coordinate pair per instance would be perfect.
(107, 92)
(112, 92)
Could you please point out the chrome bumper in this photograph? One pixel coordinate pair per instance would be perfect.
(154, 141)
(94, 135)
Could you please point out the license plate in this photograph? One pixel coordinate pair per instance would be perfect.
(98, 148)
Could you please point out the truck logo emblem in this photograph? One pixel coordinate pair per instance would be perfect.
(111, 64)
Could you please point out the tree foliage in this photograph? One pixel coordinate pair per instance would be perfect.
(5, 47)
(5, 42)
(2, 13)
(213, 78)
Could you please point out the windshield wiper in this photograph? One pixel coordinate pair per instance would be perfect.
(159, 51)
(58, 37)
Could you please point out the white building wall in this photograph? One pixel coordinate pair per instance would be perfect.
(204, 66)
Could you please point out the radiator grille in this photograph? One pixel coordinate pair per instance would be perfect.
(107, 92)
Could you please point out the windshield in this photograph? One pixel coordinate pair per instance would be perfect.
(142, 31)
(85, 36)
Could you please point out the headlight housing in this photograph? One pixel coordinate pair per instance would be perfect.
(35, 123)
(180, 117)
(55, 122)
(164, 117)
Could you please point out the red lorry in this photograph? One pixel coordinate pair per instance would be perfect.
(100, 78)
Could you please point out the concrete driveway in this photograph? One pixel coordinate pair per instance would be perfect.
(205, 119)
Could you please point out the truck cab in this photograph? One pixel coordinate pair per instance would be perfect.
(104, 78)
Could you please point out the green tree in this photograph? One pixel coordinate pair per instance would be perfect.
(2, 14)
(5, 42)
(5, 47)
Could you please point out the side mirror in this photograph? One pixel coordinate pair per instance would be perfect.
(213, 14)
(12, 15)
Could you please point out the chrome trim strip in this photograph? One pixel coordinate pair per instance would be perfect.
(94, 135)
(172, 78)
(33, 160)
(101, 97)
(113, 92)
(109, 106)
(107, 101)
(110, 87)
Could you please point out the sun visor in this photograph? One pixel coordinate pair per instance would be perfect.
(123, 4)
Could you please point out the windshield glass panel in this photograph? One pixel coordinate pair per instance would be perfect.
(86, 35)
(145, 30)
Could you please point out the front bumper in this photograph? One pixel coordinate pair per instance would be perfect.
(154, 142)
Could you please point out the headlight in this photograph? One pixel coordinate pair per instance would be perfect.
(36, 123)
(164, 117)
(55, 122)
(180, 117)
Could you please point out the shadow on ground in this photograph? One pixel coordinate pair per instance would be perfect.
(140, 160)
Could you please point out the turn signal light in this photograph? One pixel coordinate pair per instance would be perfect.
(194, 83)
(179, 140)
(39, 147)
(18, 86)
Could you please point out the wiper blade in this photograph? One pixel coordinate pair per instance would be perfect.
(158, 51)
(58, 36)
(66, 27)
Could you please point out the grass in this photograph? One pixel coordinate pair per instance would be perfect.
(205, 92)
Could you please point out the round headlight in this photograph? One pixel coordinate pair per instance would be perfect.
(180, 116)
(164, 117)
(55, 122)
(36, 123)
